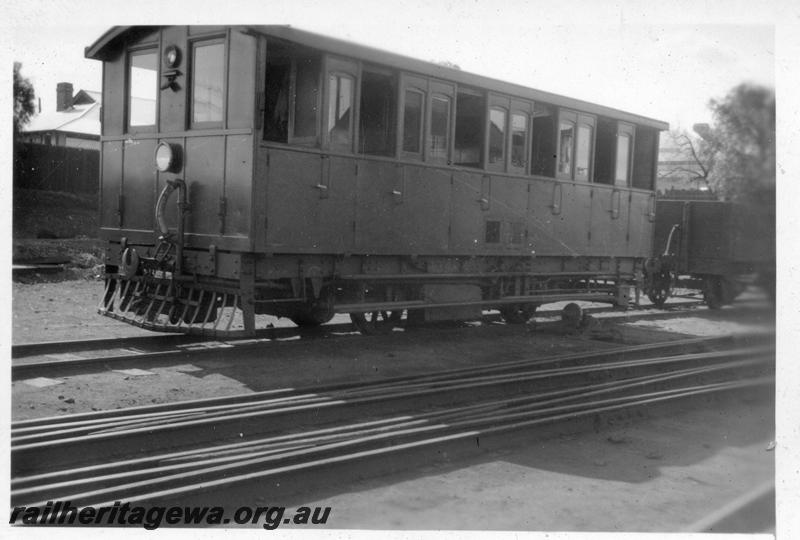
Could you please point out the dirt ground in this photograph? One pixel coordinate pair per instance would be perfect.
(660, 475)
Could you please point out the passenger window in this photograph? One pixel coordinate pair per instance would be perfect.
(583, 152)
(604, 150)
(208, 70)
(412, 122)
(497, 135)
(645, 153)
(492, 232)
(440, 127)
(543, 140)
(566, 143)
(519, 140)
(468, 143)
(623, 159)
(143, 88)
(306, 98)
(276, 115)
(377, 115)
(340, 110)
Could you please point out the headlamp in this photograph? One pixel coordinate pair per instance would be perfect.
(172, 56)
(167, 157)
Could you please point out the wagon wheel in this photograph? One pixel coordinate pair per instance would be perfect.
(660, 288)
(315, 313)
(518, 313)
(572, 315)
(718, 291)
(376, 322)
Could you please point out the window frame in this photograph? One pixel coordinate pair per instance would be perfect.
(590, 122)
(305, 140)
(629, 130)
(500, 164)
(139, 51)
(193, 45)
(443, 91)
(392, 129)
(520, 108)
(577, 119)
(565, 117)
(423, 99)
(481, 95)
(339, 67)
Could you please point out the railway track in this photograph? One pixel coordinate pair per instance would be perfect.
(163, 453)
(42, 359)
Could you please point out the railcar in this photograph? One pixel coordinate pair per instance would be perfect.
(712, 246)
(266, 170)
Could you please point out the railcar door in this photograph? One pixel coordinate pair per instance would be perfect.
(609, 226)
(543, 209)
(641, 223)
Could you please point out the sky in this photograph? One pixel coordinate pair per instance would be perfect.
(665, 67)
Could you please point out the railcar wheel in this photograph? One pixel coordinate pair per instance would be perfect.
(376, 322)
(518, 313)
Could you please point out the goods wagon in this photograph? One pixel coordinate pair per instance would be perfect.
(713, 245)
(265, 170)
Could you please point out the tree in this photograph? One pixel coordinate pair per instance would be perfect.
(743, 141)
(690, 156)
(24, 97)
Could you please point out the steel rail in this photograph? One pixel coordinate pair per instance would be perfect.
(79, 476)
(144, 411)
(475, 378)
(214, 474)
(221, 425)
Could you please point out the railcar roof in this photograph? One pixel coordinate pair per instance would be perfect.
(99, 48)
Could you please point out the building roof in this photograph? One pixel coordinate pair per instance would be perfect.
(83, 117)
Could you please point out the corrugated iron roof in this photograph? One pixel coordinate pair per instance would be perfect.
(78, 119)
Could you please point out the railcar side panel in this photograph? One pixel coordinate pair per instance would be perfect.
(173, 104)
(609, 222)
(374, 213)
(310, 202)
(205, 160)
(138, 184)
(468, 221)
(292, 199)
(237, 207)
(641, 224)
(111, 186)
(541, 218)
(113, 95)
(423, 192)
(510, 208)
(241, 80)
(571, 224)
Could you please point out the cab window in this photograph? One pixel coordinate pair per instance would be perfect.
(142, 88)
(208, 71)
